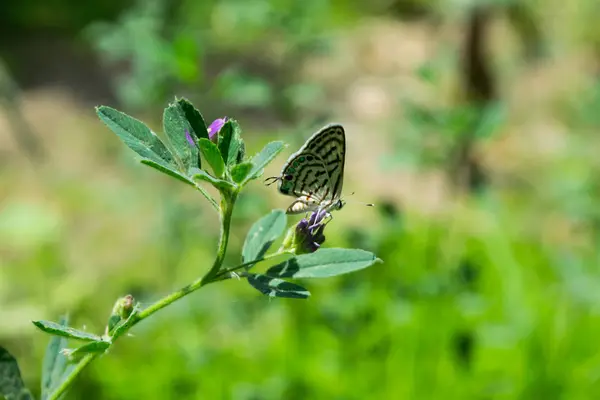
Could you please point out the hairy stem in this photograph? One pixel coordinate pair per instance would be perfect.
(68, 381)
(213, 275)
(208, 197)
(226, 272)
(227, 203)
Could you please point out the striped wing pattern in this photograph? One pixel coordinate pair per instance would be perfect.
(315, 173)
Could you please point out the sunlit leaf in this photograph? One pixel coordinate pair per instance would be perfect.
(194, 118)
(230, 142)
(262, 234)
(240, 171)
(264, 157)
(137, 136)
(60, 330)
(92, 347)
(220, 184)
(210, 153)
(324, 263)
(55, 363)
(168, 171)
(180, 133)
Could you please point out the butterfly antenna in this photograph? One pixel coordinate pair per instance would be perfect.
(271, 180)
(362, 202)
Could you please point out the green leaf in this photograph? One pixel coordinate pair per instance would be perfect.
(274, 287)
(60, 330)
(177, 175)
(171, 172)
(264, 157)
(11, 383)
(324, 263)
(240, 171)
(75, 355)
(122, 327)
(211, 154)
(202, 175)
(175, 126)
(137, 136)
(55, 363)
(262, 235)
(242, 152)
(225, 140)
(231, 143)
(195, 119)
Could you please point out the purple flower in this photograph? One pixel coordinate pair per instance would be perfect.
(188, 137)
(309, 235)
(215, 127)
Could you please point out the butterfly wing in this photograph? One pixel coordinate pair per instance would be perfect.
(329, 144)
(314, 174)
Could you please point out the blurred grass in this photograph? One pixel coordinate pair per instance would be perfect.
(491, 296)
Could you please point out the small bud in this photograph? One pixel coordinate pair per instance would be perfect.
(120, 312)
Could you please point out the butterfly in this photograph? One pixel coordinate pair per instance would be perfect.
(315, 173)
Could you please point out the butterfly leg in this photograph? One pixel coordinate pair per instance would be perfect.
(301, 205)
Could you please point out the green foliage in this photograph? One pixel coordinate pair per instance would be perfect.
(167, 171)
(262, 235)
(59, 329)
(176, 125)
(202, 175)
(158, 57)
(75, 355)
(487, 298)
(324, 263)
(137, 136)
(213, 157)
(241, 171)
(191, 149)
(231, 144)
(55, 365)
(198, 128)
(266, 155)
(11, 384)
(274, 287)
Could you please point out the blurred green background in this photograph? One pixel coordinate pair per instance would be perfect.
(472, 125)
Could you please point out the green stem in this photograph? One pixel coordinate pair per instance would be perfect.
(68, 381)
(227, 203)
(207, 196)
(223, 274)
(226, 212)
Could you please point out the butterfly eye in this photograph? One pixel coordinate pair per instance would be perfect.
(288, 177)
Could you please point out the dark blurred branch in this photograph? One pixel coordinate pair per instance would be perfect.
(479, 88)
(477, 75)
(24, 135)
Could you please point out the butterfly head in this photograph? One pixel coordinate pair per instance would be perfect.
(338, 204)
